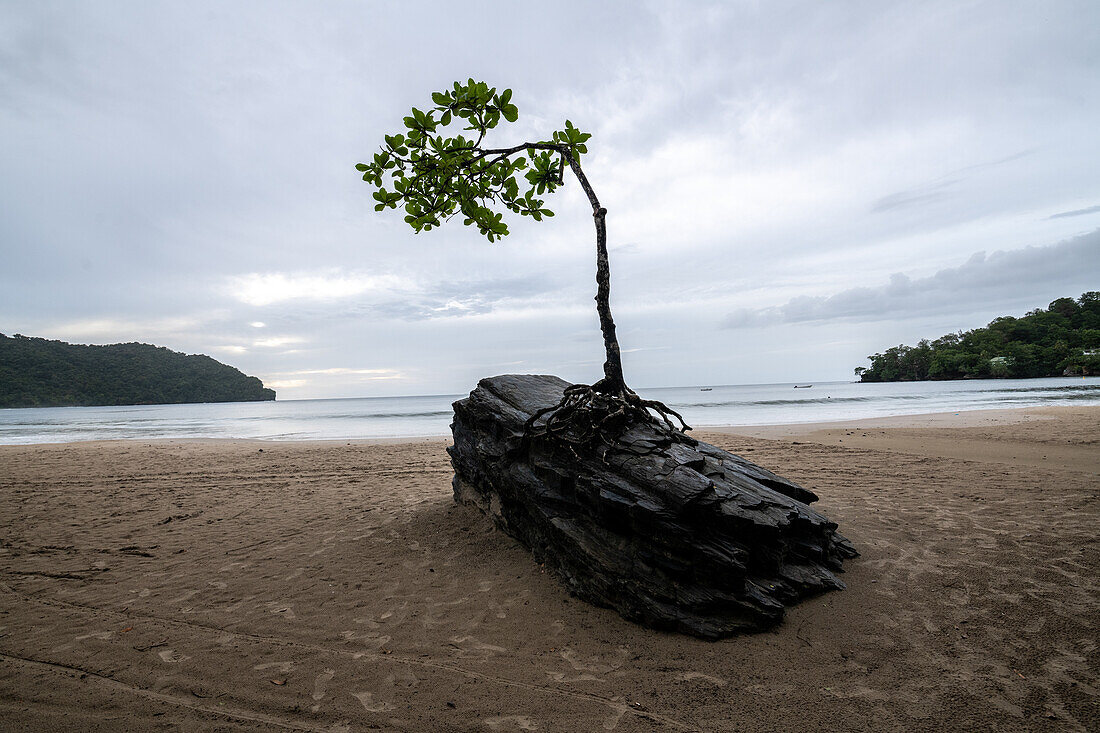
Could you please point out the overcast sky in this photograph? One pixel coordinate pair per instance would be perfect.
(790, 186)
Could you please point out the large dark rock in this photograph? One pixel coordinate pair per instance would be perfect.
(685, 537)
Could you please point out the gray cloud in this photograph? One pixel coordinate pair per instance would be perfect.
(408, 301)
(469, 298)
(156, 151)
(982, 282)
(939, 189)
(923, 195)
(1075, 212)
(995, 163)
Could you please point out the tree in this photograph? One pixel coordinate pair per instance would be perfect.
(1043, 343)
(434, 177)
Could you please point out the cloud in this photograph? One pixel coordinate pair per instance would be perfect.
(101, 328)
(316, 378)
(276, 341)
(1075, 212)
(369, 373)
(201, 158)
(472, 297)
(913, 197)
(275, 287)
(285, 383)
(1000, 277)
(389, 295)
(941, 188)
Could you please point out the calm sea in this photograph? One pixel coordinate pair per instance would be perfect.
(380, 417)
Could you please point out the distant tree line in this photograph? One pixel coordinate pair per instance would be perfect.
(1063, 340)
(35, 372)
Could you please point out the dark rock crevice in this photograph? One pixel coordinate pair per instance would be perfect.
(681, 536)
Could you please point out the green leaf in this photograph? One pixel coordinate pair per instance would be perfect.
(434, 176)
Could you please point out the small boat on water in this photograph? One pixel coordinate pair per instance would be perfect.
(803, 386)
(705, 389)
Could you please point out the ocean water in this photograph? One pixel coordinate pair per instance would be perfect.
(384, 417)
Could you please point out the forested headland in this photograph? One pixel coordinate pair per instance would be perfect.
(1062, 340)
(35, 372)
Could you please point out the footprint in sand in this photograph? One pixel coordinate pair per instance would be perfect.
(469, 647)
(185, 597)
(171, 656)
(282, 610)
(511, 722)
(395, 686)
(234, 565)
(321, 683)
(595, 666)
(235, 606)
(689, 676)
(370, 639)
(367, 699)
(395, 616)
(592, 670)
(366, 620)
(611, 722)
(319, 686)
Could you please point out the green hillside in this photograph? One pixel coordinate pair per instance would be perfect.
(36, 372)
(1063, 340)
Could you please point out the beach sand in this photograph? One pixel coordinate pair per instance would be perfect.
(234, 585)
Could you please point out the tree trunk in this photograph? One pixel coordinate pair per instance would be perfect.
(613, 381)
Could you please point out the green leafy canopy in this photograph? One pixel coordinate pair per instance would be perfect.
(434, 177)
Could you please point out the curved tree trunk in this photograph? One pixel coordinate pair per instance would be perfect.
(612, 381)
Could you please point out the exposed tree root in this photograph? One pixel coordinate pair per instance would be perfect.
(600, 413)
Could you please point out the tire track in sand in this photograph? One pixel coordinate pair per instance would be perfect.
(614, 705)
(220, 710)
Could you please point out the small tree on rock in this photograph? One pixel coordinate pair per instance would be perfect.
(434, 177)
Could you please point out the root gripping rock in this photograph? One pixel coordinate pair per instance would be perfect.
(681, 536)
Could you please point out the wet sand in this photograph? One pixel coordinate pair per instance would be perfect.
(235, 585)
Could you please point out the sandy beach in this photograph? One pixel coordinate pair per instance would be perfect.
(236, 585)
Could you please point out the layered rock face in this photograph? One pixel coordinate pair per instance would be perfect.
(684, 536)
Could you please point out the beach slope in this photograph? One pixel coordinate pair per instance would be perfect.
(217, 585)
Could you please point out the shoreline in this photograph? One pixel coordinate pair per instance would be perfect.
(949, 419)
(1012, 436)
